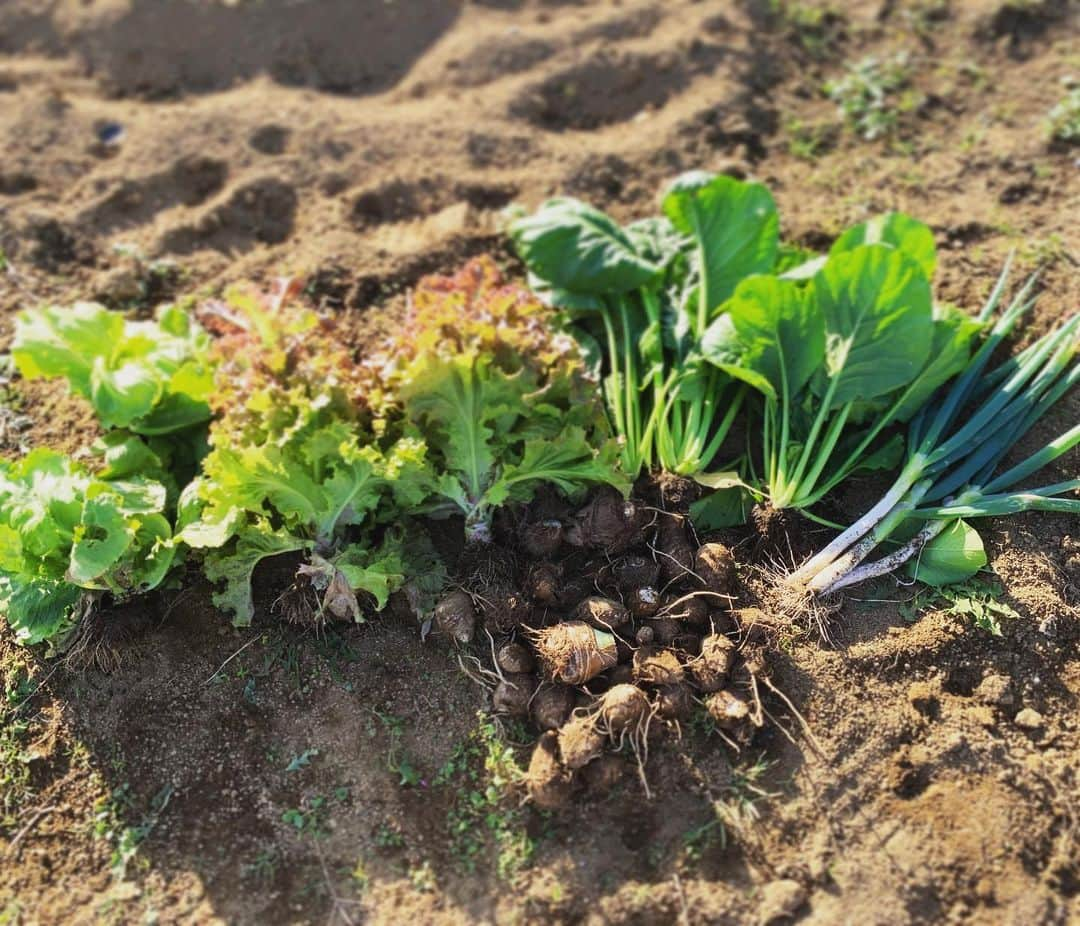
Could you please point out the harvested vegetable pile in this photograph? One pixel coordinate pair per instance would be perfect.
(255, 430)
(627, 627)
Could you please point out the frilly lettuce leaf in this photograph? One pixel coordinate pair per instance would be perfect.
(502, 398)
(232, 567)
(569, 462)
(294, 468)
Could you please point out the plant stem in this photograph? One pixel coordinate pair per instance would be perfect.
(888, 563)
(908, 478)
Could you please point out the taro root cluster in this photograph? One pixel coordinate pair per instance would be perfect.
(607, 624)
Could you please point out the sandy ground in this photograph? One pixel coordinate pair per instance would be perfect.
(160, 148)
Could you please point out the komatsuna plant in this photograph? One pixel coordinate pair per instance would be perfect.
(643, 295)
(838, 352)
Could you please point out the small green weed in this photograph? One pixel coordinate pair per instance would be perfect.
(738, 809)
(817, 29)
(313, 814)
(977, 600)
(389, 837)
(423, 878)
(14, 734)
(361, 880)
(923, 16)
(808, 141)
(397, 760)
(481, 773)
(263, 868)
(302, 761)
(869, 95)
(310, 818)
(698, 841)
(1063, 121)
(110, 816)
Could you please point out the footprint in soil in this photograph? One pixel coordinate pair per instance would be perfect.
(599, 176)
(485, 150)
(1022, 22)
(190, 181)
(498, 56)
(260, 212)
(54, 244)
(17, 183)
(403, 200)
(270, 139)
(162, 48)
(635, 25)
(607, 90)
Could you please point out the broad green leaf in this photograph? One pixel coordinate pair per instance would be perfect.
(907, 235)
(210, 529)
(320, 449)
(879, 323)
(725, 480)
(575, 247)
(571, 304)
(734, 225)
(954, 333)
(11, 550)
(449, 487)
(352, 490)
(183, 403)
(101, 541)
(58, 524)
(771, 333)
(378, 572)
(569, 462)
(792, 261)
(467, 411)
(37, 611)
(41, 497)
(176, 321)
(65, 342)
(151, 377)
(129, 496)
(956, 554)
(124, 455)
(886, 456)
(252, 477)
(233, 567)
(728, 507)
(154, 535)
(657, 240)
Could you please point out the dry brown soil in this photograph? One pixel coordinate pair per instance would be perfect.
(154, 148)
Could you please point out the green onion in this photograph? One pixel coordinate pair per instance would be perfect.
(956, 445)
